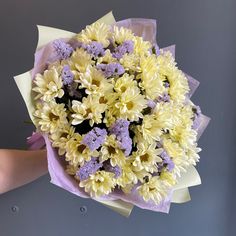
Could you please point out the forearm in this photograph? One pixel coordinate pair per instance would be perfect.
(20, 167)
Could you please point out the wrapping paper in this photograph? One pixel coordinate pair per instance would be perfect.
(121, 203)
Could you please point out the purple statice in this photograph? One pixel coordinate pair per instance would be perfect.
(120, 127)
(125, 143)
(151, 104)
(126, 47)
(62, 49)
(119, 52)
(129, 45)
(94, 138)
(114, 169)
(197, 117)
(167, 161)
(88, 168)
(111, 69)
(166, 84)
(164, 98)
(66, 75)
(121, 130)
(94, 48)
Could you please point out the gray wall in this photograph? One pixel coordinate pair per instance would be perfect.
(205, 34)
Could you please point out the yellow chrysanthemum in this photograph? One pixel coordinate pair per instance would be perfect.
(154, 125)
(146, 157)
(192, 154)
(155, 190)
(71, 170)
(49, 85)
(80, 60)
(107, 58)
(127, 189)
(178, 86)
(76, 152)
(150, 82)
(95, 82)
(127, 177)
(186, 137)
(58, 65)
(125, 82)
(131, 104)
(168, 177)
(110, 115)
(121, 34)
(130, 62)
(176, 78)
(177, 155)
(91, 108)
(61, 137)
(99, 184)
(110, 150)
(149, 64)
(142, 47)
(143, 175)
(151, 85)
(50, 117)
(187, 115)
(99, 32)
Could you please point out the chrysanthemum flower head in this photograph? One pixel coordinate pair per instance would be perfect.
(99, 184)
(94, 81)
(77, 152)
(154, 189)
(168, 72)
(60, 138)
(124, 82)
(111, 151)
(146, 157)
(51, 117)
(98, 32)
(49, 85)
(91, 108)
(131, 104)
(121, 34)
(142, 47)
(80, 60)
(128, 177)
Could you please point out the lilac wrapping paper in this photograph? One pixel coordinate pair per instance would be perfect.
(145, 28)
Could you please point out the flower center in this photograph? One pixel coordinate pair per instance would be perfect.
(151, 189)
(96, 82)
(81, 148)
(123, 89)
(64, 135)
(102, 100)
(88, 111)
(130, 105)
(53, 117)
(144, 158)
(111, 150)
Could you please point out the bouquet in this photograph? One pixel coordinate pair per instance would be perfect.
(115, 113)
